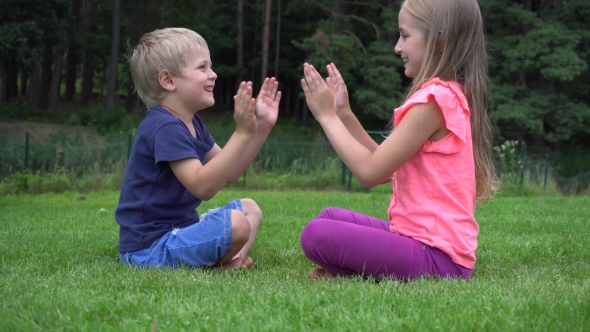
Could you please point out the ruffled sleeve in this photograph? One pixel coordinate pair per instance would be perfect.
(453, 104)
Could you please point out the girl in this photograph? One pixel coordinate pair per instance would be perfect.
(438, 157)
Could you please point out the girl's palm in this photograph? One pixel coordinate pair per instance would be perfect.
(338, 88)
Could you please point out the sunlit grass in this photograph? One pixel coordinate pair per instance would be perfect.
(59, 271)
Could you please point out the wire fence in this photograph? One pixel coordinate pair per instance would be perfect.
(276, 157)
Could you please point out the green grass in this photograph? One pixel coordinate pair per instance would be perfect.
(59, 271)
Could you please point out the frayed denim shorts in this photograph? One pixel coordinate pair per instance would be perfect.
(198, 245)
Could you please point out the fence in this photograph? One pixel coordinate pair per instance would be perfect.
(277, 157)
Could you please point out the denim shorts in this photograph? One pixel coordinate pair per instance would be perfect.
(198, 245)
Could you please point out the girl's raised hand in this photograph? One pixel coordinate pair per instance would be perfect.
(317, 93)
(336, 84)
(245, 109)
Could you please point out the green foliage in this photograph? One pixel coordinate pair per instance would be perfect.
(370, 72)
(26, 24)
(116, 120)
(539, 64)
(18, 109)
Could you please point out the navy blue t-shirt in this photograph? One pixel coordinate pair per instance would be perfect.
(153, 201)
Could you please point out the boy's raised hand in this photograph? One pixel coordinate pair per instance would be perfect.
(337, 86)
(245, 109)
(267, 103)
(317, 93)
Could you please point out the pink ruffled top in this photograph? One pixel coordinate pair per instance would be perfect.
(434, 192)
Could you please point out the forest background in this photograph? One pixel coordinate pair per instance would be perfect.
(65, 61)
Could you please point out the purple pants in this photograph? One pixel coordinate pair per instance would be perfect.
(347, 243)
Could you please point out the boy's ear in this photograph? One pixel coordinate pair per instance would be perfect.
(166, 80)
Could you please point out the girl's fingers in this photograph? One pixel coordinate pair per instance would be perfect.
(308, 77)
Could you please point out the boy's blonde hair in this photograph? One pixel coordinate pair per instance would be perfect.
(456, 51)
(163, 49)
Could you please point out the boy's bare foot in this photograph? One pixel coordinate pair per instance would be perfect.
(321, 273)
(237, 263)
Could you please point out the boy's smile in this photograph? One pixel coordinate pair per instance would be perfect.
(195, 85)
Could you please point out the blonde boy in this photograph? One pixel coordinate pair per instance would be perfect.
(175, 163)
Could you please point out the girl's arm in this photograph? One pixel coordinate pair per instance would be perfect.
(371, 167)
(336, 85)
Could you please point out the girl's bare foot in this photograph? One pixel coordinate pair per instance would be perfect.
(237, 263)
(321, 273)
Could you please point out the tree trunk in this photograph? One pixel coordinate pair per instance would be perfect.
(265, 41)
(278, 40)
(34, 87)
(9, 87)
(4, 85)
(337, 12)
(24, 77)
(55, 78)
(72, 59)
(87, 54)
(254, 48)
(392, 37)
(240, 54)
(114, 60)
(46, 72)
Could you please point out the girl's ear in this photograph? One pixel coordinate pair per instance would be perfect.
(166, 80)
(439, 42)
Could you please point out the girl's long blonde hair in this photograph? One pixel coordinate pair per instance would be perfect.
(456, 51)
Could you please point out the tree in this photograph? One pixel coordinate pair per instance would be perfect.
(90, 8)
(265, 40)
(72, 58)
(114, 58)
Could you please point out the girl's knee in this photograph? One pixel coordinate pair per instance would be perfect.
(240, 227)
(328, 213)
(313, 232)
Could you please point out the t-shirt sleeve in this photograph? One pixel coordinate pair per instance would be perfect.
(455, 112)
(172, 142)
(204, 132)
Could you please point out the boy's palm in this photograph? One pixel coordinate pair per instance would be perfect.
(244, 109)
(267, 103)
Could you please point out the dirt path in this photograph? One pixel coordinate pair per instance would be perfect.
(43, 132)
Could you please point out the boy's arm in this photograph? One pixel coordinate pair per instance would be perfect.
(267, 110)
(204, 181)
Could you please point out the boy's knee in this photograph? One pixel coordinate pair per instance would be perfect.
(240, 226)
(249, 206)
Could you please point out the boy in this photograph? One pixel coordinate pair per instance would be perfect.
(175, 163)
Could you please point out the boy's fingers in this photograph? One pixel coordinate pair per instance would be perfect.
(278, 97)
(275, 88)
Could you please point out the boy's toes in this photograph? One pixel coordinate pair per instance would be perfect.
(246, 262)
(235, 263)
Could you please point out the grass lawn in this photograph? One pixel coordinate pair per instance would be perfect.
(59, 271)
